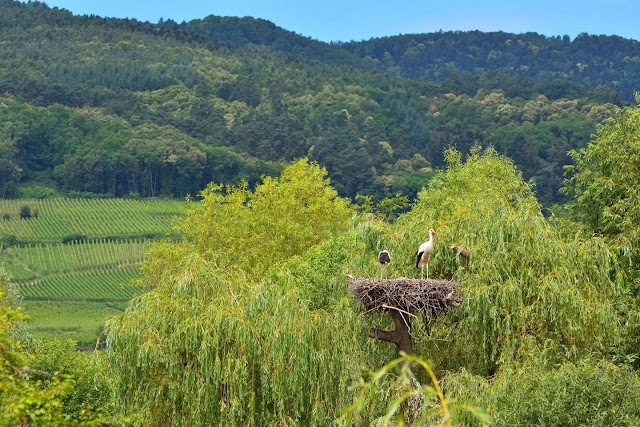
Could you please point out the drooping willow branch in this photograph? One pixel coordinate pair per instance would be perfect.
(403, 298)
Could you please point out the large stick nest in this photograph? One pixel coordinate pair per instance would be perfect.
(428, 297)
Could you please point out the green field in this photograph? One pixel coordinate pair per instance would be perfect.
(78, 321)
(73, 260)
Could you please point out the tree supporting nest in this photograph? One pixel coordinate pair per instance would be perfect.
(403, 298)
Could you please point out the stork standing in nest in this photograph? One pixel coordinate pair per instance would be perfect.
(424, 254)
(384, 258)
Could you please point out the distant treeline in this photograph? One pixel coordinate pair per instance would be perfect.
(118, 107)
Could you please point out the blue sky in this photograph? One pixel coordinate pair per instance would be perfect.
(345, 20)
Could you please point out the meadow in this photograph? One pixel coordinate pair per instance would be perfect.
(74, 260)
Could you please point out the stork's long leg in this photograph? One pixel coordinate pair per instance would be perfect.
(427, 271)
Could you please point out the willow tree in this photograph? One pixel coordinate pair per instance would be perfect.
(231, 332)
(603, 182)
(541, 306)
(526, 284)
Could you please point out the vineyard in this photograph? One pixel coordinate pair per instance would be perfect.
(62, 220)
(73, 260)
(29, 262)
(93, 286)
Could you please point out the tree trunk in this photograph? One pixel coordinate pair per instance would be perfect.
(401, 336)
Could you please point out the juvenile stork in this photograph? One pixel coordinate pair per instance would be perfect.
(424, 254)
(463, 252)
(383, 258)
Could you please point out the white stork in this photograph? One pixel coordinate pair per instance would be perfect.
(384, 257)
(424, 254)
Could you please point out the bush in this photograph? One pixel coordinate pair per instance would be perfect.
(25, 212)
(74, 238)
(586, 393)
(7, 240)
(51, 385)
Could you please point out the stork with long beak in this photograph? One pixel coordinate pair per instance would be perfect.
(424, 254)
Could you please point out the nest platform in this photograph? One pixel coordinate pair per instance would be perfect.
(403, 298)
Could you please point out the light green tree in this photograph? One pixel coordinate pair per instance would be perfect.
(222, 340)
(603, 181)
(65, 394)
(282, 217)
(523, 279)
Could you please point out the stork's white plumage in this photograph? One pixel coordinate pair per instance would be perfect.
(424, 254)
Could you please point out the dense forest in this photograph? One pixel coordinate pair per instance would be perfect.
(96, 106)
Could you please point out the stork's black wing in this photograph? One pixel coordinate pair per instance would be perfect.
(384, 257)
(418, 259)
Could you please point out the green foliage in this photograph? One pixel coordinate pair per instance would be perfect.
(208, 347)
(607, 202)
(391, 207)
(7, 240)
(588, 392)
(91, 392)
(213, 342)
(525, 279)
(168, 108)
(282, 217)
(601, 181)
(70, 393)
(25, 212)
(411, 403)
(519, 64)
(217, 342)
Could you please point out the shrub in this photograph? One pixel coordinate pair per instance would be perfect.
(25, 212)
(8, 240)
(583, 393)
(74, 238)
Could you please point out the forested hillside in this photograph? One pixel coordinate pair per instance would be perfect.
(518, 64)
(115, 107)
(598, 66)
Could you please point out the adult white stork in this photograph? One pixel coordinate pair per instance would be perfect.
(384, 257)
(424, 254)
